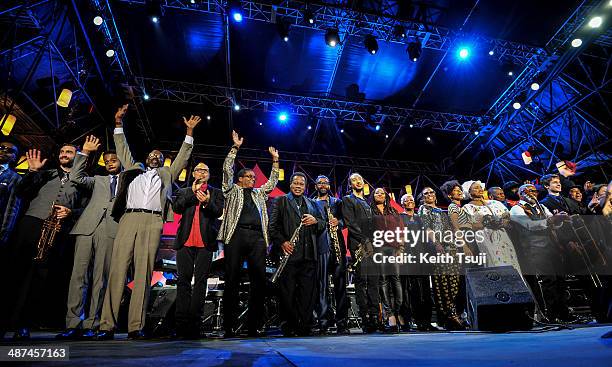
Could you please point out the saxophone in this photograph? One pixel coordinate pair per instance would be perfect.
(51, 226)
(285, 257)
(333, 233)
(357, 257)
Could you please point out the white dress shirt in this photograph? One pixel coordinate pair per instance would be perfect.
(144, 191)
(518, 215)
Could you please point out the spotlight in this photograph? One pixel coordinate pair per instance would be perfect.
(386, 136)
(399, 31)
(235, 9)
(309, 17)
(537, 81)
(476, 132)
(192, 1)
(282, 28)
(491, 53)
(309, 127)
(510, 73)
(508, 68)
(236, 107)
(110, 53)
(331, 37)
(535, 86)
(155, 10)
(576, 42)
(516, 105)
(208, 117)
(146, 97)
(261, 124)
(595, 22)
(342, 130)
(411, 126)
(428, 138)
(414, 50)
(370, 44)
(155, 19)
(464, 53)
(282, 117)
(98, 20)
(377, 127)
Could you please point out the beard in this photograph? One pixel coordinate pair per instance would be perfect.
(358, 189)
(322, 192)
(65, 162)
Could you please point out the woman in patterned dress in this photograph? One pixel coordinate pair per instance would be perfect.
(492, 217)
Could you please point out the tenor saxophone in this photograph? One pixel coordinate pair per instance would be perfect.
(50, 228)
(333, 234)
(285, 257)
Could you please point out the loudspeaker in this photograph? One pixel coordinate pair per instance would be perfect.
(162, 304)
(498, 299)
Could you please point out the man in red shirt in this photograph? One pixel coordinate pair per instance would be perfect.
(200, 206)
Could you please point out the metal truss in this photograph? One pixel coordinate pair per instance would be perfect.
(320, 107)
(360, 23)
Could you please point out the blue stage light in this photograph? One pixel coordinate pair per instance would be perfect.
(464, 53)
(282, 117)
(146, 97)
(377, 127)
(237, 16)
(155, 19)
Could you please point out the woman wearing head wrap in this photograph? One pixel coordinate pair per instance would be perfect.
(492, 218)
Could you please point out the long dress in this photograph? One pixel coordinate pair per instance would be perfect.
(496, 245)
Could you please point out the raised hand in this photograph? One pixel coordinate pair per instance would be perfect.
(273, 153)
(120, 114)
(33, 158)
(91, 144)
(192, 122)
(237, 139)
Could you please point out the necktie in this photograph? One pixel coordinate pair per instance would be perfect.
(113, 186)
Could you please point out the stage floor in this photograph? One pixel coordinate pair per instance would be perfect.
(578, 347)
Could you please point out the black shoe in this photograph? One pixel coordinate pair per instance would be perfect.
(426, 327)
(22, 334)
(137, 335)
(70, 334)
(88, 334)
(105, 335)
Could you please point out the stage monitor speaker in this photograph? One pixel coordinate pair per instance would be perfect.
(498, 299)
(162, 305)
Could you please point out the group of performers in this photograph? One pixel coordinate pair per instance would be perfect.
(115, 222)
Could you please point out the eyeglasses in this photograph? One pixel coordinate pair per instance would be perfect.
(429, 193)
(249, 176)
(153, 155)
(8, 149)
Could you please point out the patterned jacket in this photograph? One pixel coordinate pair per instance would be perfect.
(234, 200)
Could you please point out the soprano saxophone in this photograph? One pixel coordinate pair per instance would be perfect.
(333, 234)
(285, 257)
(51, 227)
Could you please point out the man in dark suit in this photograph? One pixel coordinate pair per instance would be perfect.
(330, 262)
(95, 232)
(297, 283)
(142, 202)
(196, 241)
(10, 203)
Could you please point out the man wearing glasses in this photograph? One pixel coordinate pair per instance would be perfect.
(533, 222)
(142, 204)
(244, 233)
(328, 261)
(196, 241)
(9, 200)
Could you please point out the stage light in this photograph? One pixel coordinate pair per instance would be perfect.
(98, 20)
(516, 105)
(535, 86)
(309, 127)
(155, 11)
(464, 53)
(414, 51)
(576, 42)
(64, 98)
(595, 22)
(342, 130)
(370, 44)
(282, 28)
(236, 107)
(491, 53)
(110, 53)
(192, 1)
(331, 37)
(208, 117)
(377, 127)
(155, 19)
(261, 124)
(146, 97)
(309, 16)
(235, 9)
(386, 136)
(476, 132)
(411, 126)
(508, 68)
(510, 73)
(399, 31)
(7, 123)
(282, 117)
(428, 138)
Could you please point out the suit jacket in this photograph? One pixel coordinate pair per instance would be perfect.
(324, 243)
(285, 219)
(132, 169)
(185, 204)
(10, 203)
(100, 203)
(357, 216)
(556, 203)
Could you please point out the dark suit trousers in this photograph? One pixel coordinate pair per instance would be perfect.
(327, 266)
(191, 262)
(297, 287)
(250, 245)
(367, 277)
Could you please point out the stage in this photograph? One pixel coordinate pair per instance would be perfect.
(578, 347)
